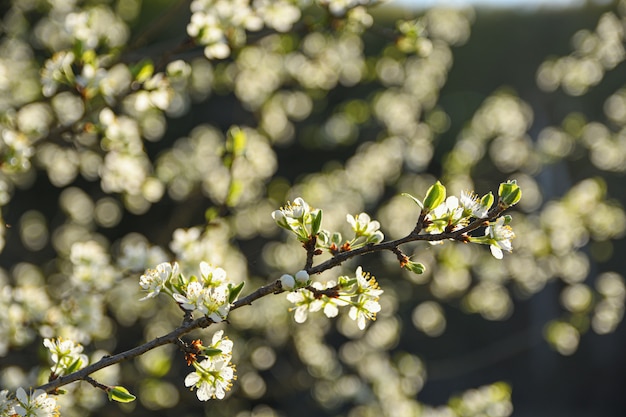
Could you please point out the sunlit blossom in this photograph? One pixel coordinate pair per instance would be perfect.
(66, 355)
(212, 276)
(446, 216)
(362, 224)
(194, 298)
(155, 280)
(223, 343)
(500, 236)
(366, 305)
(212, 378)
(472, 206)
(37, 404)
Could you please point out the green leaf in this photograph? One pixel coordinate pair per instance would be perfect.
(120, 394)
(415, 267)
(435, 195)
(487, 200)
(234, 291)
(143, 70)
(419, 203)
(75, 366)
(211, 351)
(317, 223)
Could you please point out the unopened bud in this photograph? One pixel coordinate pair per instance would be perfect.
(287, 282)
(302, 277)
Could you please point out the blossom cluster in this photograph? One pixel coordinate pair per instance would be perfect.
(220, 24)
(360, 292)
(211, 294)
(67, 357)
(449, 214)
(38, 404)
(299, 218)
(213, 375)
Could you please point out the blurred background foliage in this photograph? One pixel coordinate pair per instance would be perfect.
(347, 117)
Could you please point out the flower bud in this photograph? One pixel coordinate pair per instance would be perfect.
(509, 193)
(302, 277)
(435, 195)
(287, 282)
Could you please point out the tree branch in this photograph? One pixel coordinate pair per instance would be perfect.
(106, 361)
(274, 287)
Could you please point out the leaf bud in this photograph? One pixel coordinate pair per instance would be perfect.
(510, 193)
(435, 195)
(415, 267)
(487, 200)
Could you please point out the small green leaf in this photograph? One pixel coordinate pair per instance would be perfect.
(143, 70)
(234, 291)
(75, 366)
(419, 203)
(487, 200)
(435, 195)
(415, 267)
(211, 351)
(120, 394)
(317, 223)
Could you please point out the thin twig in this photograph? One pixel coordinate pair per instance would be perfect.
(106, 361)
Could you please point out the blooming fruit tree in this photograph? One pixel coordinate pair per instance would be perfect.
(138, 260)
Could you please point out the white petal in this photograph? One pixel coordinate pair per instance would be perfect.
(205, 392)
(496, 252)
(361, 321)
(21, 395)
(371, 306)
(205, 269)
(331, 310)
(192, 379)
(217, 336)
(301, 314)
